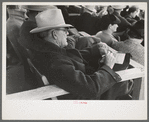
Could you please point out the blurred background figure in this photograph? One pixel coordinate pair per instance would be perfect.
(110, 9)
(109, 24)
(16, 17)
(141, 14)
(133, 44)
(64, 9)
(124, 11)
(101, 10)
(27, 40)
(117, 12)
(132, 13)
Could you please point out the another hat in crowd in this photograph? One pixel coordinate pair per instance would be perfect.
(38, 7)
(118, 7)
(49, 19)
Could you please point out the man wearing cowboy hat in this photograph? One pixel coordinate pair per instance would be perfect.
(70, 69)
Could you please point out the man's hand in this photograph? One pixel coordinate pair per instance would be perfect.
(109, 59)
(103, 48)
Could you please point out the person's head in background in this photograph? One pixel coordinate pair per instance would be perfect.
(33, 10)
(124, 11)
(118, 8)
(51, 27)
(133, 11)
(109, 23)
(100, 7)
(16, 9)
(101, 10)
(141, 14)
(110, 9)
(137, 31)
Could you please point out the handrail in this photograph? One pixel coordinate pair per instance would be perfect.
(54, 91)
(41, 93)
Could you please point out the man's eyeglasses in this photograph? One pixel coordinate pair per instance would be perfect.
(63, 29)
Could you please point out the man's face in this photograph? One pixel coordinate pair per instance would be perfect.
(114, 27)
(62, 37)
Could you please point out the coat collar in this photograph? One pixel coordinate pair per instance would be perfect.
(41, 45)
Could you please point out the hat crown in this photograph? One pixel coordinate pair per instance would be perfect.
(51, 17)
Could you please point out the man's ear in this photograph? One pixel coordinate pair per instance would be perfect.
(110, 25)
(54, 35)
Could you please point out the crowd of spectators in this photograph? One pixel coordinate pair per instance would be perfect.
(82, 65)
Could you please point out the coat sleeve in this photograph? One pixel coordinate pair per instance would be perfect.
(91, 53)
(76, 82)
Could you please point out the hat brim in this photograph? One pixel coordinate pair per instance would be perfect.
(37, 30)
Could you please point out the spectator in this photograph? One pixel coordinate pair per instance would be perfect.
(101, 11)
(110, 9)
(124, 23)
(124, 12)
(26, 39)
(109, 24)
(68, 68)
(132, 13)
(13, 24)
(132, 44)
(141, 14)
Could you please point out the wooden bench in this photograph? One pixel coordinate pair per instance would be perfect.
(50, 91)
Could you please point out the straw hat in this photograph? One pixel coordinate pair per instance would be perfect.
(38, 7)
(118, 7)
(48, 19)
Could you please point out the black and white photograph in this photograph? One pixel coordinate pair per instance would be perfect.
(71, 60)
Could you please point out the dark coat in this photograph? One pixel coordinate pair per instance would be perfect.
(88, 23)
(67, 68)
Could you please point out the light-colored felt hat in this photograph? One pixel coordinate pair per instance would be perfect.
(49, 19)
(118, 6)
(38, 7)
